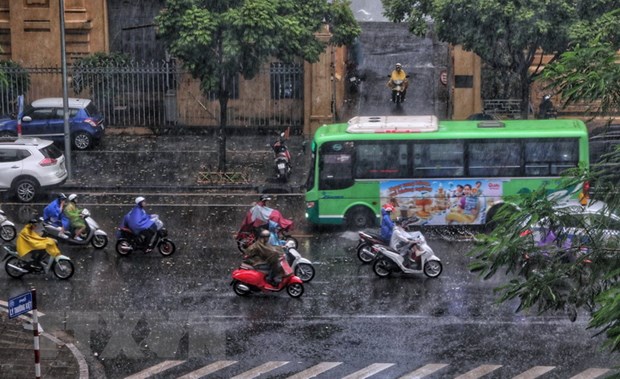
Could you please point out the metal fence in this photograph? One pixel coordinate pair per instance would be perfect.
(158, 94)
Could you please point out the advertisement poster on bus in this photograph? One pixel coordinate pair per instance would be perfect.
(442, 201)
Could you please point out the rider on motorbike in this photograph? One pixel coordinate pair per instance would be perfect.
(398, 74)
(73, 213)
(387, 225)
(141, 223)
(29, 240)
(53, 213)
(403, 242)
(262, 253)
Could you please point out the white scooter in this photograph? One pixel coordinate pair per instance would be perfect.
(420, 258)
(93, 235)
(301, 266)
(7, 228)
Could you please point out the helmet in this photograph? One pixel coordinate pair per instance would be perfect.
(265, 197)
(546, 97)
(72, 197)
(61, 196)
(399, 65)
(35, 220)
(388, 208)
(264, 233)
(139, 199)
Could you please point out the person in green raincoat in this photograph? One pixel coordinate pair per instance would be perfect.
(73, 214)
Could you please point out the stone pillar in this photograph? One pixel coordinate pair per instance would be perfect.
(319, 87)
(466, 83)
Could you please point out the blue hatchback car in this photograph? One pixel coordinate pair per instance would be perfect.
(44, 118)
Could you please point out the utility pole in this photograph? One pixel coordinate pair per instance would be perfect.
(65, 96)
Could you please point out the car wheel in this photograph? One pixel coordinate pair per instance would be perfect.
(82, 140)
(25, 189)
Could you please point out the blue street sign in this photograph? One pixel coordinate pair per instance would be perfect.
(20, 304)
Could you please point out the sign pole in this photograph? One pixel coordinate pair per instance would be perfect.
(20, 114)
(35, 329)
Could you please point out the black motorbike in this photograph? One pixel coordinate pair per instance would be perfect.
(127, 242)
(282, 159)
(36, 262)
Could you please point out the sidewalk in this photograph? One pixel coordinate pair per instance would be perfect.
(137, 160)
(59, 360)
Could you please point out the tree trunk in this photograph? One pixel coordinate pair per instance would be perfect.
(221, 132)
(526, 81)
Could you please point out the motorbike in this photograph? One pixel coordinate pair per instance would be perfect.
(365, 253)
(128, 242)
(397, 90)
(282, 159)
(546, 109)
(301, 266)
(7, 228)
(247, 279)
(245, 238)
(420, 258)
(92, 234)
(16, 266)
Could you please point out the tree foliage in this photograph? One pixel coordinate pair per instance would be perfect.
(589, 72)
(219, 39)
(559, 276)
(506, 34)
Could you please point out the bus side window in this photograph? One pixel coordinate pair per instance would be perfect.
(335, 171)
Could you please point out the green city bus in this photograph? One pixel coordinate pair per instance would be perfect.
(437, 172)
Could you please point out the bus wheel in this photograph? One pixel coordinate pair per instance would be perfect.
(491, 221)
(360, 217)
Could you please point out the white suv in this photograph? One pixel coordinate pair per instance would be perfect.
(29, 164)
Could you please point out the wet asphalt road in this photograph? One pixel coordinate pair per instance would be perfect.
(129, 314)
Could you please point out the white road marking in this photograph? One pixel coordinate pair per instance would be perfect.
(206, 370)
(591, 373)
(315, 370)
(478, 372)
(534, 372)
(163, 366)
(369, 371)
(255, 372)
(424, 371)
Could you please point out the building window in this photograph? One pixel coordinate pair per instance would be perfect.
(286, 81)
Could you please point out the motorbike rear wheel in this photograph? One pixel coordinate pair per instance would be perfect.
(166, 247)
(382, 267)
(365, 254)
(99, 242)
(239, 289)
(63, 269)
(433, 269)
(295, 290)
(8, 232)
(123, 247)
(14, 261)
(304, 271)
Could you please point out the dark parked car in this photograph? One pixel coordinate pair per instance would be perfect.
(45, 118)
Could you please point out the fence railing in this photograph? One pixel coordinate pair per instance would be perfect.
(159, 94)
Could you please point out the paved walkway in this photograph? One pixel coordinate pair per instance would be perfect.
(59, 358)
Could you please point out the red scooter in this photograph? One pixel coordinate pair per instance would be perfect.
(248, 279)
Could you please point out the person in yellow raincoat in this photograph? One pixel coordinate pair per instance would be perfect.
(398, 74)
(28, 240)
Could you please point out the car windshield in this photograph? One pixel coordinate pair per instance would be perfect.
(51, 151)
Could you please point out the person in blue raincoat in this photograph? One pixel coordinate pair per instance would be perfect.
(387, 225)
(54, 214)
(141, 223)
